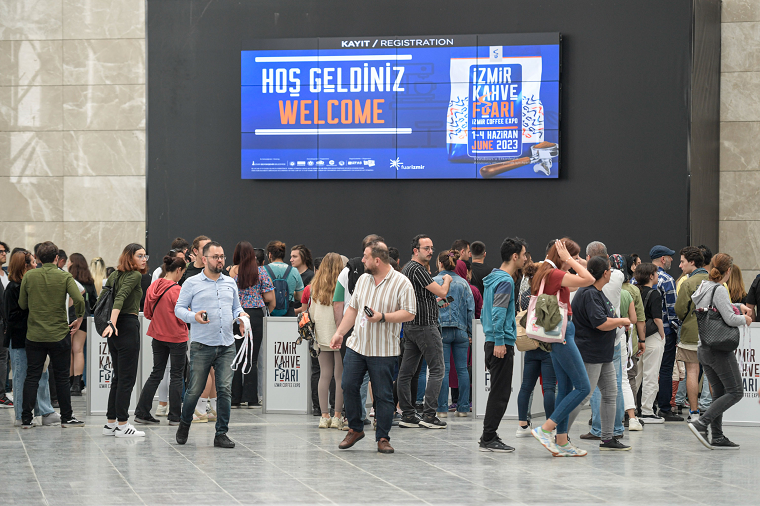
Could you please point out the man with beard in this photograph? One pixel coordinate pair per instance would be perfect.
(214, 306)
(382, 300)
(422, 338)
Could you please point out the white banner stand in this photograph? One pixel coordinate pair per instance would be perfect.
(287, 367)
(747, 411)
(100, 373)
(481, 384)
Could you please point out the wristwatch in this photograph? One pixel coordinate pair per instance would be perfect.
(382, 318)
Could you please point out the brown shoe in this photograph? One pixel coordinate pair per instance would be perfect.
(383, 446)
(590, 436)
(351, 438)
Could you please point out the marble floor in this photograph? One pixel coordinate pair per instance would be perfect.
(286, 459)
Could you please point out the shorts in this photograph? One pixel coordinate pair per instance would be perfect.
(686, 356)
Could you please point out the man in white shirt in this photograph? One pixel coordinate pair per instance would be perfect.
(5, 256)
(383, 299)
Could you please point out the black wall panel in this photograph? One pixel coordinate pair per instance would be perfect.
(624, 130)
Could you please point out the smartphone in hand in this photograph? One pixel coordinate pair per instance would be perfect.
(368, 312)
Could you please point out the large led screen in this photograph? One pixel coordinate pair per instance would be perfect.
(427, 107)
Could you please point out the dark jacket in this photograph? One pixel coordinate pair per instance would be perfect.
(15, 317)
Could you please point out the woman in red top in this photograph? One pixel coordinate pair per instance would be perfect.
(572, 380)
(169, 339)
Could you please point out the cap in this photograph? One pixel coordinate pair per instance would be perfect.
(660, 251)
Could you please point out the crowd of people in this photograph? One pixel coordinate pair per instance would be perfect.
(625, 336)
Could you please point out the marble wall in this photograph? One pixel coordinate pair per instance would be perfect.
(72, 124)
(739, 134)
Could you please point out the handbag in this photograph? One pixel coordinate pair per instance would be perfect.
(534, 331)
(714, 332)
(523, 342)
(104, 306)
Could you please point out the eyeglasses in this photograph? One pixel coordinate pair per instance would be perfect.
(3, 251)
(143, 257)
(427, 248)
(216, 258)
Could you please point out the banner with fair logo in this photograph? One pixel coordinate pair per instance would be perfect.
(287, 367)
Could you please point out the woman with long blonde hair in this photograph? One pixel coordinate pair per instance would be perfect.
(736, 288)
(330, 362)
(98, 271)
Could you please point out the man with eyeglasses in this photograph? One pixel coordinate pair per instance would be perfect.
(214, 305)
(422, 339)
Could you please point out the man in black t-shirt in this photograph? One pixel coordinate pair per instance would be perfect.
(422, 338)
(753, 298)
(479, 268)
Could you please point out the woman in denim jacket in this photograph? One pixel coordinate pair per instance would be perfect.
(456, 329)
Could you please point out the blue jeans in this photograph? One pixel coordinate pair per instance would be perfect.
(666, 373)
(18, 363)
(422, 383)
(681, 393)
(537, 362)
(202, 358)
(704, 399)
(572, 379)
(596, 401)
(380, 370)
(455, 339)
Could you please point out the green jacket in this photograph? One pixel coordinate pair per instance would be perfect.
(43, 292)
(685, 307)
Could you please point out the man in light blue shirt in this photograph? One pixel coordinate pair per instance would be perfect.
(209, 302)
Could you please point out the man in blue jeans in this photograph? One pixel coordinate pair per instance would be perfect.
(214, 305)
(666, 285)
(382, 300)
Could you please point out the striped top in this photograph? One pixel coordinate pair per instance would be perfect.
(394, 292)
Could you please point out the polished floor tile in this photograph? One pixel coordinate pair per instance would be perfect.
(285, 459)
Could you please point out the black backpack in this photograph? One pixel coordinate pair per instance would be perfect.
(355, 270)
(103, 307)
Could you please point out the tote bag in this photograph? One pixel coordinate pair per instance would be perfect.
(713, 329)
(534, 331)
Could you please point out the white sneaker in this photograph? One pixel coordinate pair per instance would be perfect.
(336, 423)
(462, 413)
(693, 417)
(635, 424)
(127, 430)
(210, 413)
(545, 439)
(108, 430)
(570, 450)
(200, 418)
(524, 431)
(442, 414)
(162, 410)
(324, 423)
(344, 421)
(51, 419)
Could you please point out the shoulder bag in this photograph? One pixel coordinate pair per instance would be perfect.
(714, 332)
(534, 331)
(103, 307)
(650, 325)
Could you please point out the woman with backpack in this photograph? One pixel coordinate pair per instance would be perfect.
(15, 339)
(123, 335)
(720, 366)
(81, 272)
(572, 380)
(256, 292)
(169, 340)
(320, 307)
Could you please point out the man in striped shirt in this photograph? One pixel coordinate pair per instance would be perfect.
(382, 300)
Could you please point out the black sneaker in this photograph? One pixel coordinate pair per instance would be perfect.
(701, 433)
(27, 425)
(222, 441)
(495, 445)
(182, 432)
(613, 445)
(669, 416)
(651, 419)
(72, 422)
(147, 420)
(432, 422)
(723, 443)
(409, 421)
(5, 402)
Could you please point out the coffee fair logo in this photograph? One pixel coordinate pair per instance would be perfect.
(287, 364)
(750, 370)
(105, 369)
